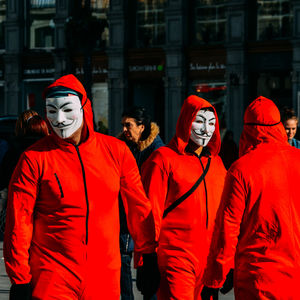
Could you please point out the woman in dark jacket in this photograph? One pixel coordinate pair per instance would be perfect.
(30, 127)
(142, 137)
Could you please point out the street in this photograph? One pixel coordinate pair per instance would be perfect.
(4, 281)
(5, 284)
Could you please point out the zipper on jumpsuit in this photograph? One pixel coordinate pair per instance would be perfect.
(206, 200)
(86, 195)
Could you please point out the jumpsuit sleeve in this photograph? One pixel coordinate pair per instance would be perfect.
(155, 180)
(226, 232)
(22, 193)
(137, 206)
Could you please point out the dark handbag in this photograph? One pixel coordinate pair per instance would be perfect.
(189, 192)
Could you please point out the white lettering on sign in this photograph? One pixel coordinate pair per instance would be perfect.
(144, 68)
(38, 71)
(209, 67)
(95, 70)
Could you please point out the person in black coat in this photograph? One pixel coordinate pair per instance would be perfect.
(142, 137)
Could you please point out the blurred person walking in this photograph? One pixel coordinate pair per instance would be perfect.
(142, 137)
(290, 123)
(229, 150)
(257, 225)
(30, 127)
(62, 230)
(3, 149)
(184, 181)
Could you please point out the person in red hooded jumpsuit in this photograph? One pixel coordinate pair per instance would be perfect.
(258, 224)
(184, 233)
(62, 228)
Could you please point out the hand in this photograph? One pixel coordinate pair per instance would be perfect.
(148, 276)
(228, 284)
(208, 292)
(20, 292)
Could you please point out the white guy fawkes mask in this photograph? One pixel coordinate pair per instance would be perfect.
(64, 114)
(203, 127)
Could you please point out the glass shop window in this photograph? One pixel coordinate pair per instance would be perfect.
(213, 92)
(210, 21)
(42, 13)
(99, 9)
(150, 20)
(2, 20)
(274, 19)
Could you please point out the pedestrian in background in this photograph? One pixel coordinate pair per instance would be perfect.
(3, 149)
(290, 123)
(30, 127)
(142, 137)
(62, 230)
(229, 150)
(184, 181)
(258, 224)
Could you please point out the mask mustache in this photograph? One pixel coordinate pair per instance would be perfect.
(202, 134)
(61, 125)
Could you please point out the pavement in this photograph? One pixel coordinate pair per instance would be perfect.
(5, 283)
(138, 296)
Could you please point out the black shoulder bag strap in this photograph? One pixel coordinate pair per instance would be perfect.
(189, 192)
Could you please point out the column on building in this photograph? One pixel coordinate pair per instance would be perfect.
(296, 56)
(236, 69)
(59, 53)
(117, 65)
(175, 74)
(14, 41)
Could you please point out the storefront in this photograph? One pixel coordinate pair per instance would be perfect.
(206, 73)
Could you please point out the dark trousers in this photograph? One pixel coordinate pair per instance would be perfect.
(126, 278)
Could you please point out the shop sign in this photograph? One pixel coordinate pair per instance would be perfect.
(39, 71)
(146, 68)
(211, 66)
(95, 70)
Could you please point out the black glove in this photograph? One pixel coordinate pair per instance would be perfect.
(148, 276)
(228, 284)
(20, 292)
(208, 292)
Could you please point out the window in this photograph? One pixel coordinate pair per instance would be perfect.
(214, 93)
(2, 20)
(150, 19)
(274, 19)
(210, 21)
(42, 13)
(99, 10)
(100, 106)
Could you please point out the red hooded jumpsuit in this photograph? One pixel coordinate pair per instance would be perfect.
(259, 219)
(62, 228)
(184, 234)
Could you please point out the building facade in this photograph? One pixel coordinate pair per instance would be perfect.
(152, 53)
